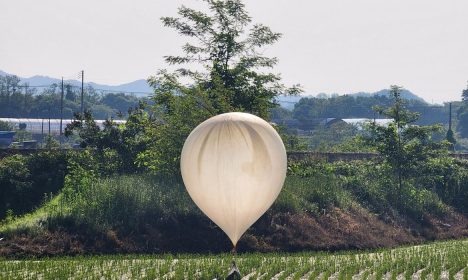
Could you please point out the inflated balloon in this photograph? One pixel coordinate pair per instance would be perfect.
(233, 166)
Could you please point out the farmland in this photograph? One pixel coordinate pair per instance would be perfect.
(441, 260)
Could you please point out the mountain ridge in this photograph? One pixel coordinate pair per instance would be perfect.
(141, 88)
(138, 87)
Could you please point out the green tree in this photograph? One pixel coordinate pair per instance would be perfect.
(309, 110)
(9, 92)
(465, 94)
(450, 137)
(119, 101)
(225, 70)
(404, 146)
(228, 47)
(330, 137)
(25, 179)
(116, 146)
(50, 142)
(463, 115)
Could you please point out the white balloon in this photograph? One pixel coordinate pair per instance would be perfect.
(233, 166)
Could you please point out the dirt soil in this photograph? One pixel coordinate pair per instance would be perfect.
(335, 229)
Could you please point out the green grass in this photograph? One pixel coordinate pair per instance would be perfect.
(447, 258)
(128, 202)
(32, 221)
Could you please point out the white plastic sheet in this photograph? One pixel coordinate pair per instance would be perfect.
(233, 166)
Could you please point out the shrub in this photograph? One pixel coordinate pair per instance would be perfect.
(15, 184)
(5, 126)
(24, 180)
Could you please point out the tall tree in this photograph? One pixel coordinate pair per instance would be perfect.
(404, 146)
(223, 57)
(225, 69)
(463, 115)
(9, 87)
(465, 94)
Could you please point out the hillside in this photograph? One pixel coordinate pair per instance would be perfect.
(322, 206)
(406, 94)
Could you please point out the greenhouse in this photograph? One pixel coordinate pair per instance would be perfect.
(45, 126)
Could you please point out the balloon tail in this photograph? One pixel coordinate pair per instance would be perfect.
(234, 273)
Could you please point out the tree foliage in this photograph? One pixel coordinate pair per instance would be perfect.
(24, 180)
(465, 94)
(116, 145)
(450, 137)
(227, 47)
(309, 109)
(5, 126)
(226, 72)
(405, 147)
(463, 115)
(19, 100)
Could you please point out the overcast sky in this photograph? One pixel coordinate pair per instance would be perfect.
(328, 46)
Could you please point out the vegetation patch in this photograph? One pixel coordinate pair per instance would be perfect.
(322, 207)
(437, 260)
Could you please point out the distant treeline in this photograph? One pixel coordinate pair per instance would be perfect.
(19, 100)
(308, 110)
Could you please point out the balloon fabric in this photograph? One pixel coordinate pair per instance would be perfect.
(233, 166)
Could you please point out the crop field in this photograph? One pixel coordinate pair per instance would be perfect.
(442, 260)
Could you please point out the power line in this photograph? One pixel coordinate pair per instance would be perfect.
(79, 87)
(82, 92)
(149, 93)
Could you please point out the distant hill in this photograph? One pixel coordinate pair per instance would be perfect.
(141, 88)
(404, 93)
(138, 87)
(289, 101)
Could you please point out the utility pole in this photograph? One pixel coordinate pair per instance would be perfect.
(450, 137)
(82, 93)
(49, 121)
(25, 97)
(42, 133)
(61, 113)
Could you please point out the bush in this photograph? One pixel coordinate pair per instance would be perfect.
(440, 182)
(312, 187)
(24, 180)
(15, 184)
(5, 126)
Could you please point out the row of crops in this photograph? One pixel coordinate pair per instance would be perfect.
(443, 260)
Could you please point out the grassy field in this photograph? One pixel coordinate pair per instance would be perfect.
(442, 260)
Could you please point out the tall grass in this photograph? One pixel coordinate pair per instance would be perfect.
(313, 194)
(130, 202)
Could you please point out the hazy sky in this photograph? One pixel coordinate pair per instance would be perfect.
(327, 46)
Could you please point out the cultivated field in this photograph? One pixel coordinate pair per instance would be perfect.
(442, 260)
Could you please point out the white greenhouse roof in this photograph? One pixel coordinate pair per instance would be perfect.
(38, 126)
(361, 121)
